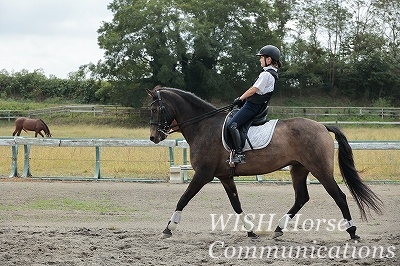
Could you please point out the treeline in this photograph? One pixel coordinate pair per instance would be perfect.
(36, 86)
(338, 48)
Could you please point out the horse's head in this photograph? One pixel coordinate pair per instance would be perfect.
(161, 120)
(43, 126)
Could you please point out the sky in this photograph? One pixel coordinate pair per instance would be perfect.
(57, 36)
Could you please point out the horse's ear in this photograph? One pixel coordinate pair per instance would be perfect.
(149, 92)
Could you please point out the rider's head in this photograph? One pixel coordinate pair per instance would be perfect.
(270, 51)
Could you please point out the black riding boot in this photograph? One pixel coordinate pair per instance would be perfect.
(237, 142)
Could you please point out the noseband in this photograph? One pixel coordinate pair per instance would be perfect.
(162, 124)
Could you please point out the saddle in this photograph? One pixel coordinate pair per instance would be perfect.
(258, 120)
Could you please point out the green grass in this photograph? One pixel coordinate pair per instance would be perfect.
(68, 204)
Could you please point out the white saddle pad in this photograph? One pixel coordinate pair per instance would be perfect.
(259, 136)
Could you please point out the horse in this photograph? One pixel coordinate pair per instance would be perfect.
(304, 145)
(37, 125)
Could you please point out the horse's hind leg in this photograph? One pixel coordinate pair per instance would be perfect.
(299, 179)
(18, 132)
(231, 191)
(339, 197)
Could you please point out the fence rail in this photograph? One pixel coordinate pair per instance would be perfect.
(279, 111)
(315, 112)
(95, 110)
(14, 142)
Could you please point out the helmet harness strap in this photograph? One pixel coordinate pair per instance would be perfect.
(265, 60)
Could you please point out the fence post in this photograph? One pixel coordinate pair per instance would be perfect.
(171, 156)
(97, 164)
(184, 154)
(14, 158)
(185, 161)
(26, 172)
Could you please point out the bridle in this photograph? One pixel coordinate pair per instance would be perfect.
(164, 116)
(162, 124)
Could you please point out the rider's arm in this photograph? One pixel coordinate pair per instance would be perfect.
(248, 93)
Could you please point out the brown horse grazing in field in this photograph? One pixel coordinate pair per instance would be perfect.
(303, 144)
(37, 125)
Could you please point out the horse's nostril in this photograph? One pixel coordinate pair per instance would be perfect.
(152, 138)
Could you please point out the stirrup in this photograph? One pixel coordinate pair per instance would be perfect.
(235, 158)
(239, 158)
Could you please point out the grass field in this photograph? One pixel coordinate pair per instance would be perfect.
(145, 162)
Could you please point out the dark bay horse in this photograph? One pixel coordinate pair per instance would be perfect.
(303, 144)
(37, 125)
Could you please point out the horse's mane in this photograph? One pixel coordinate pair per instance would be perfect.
(48, 130)
(195, 100)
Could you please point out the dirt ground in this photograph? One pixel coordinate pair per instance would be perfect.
(120, 223)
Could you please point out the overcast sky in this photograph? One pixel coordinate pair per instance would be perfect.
(57, 36)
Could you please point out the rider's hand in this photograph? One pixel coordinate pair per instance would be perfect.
(238, 102)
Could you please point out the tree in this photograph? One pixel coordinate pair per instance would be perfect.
(334, 24)
(344, 48)
(387, 13)
(206, 47)
(224, 37)
(305, 57)
(370, 71)
(143, 47)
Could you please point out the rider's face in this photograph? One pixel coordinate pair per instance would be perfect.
(265, 61)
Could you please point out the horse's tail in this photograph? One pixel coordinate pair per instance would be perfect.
(47, 128)
(362, 194)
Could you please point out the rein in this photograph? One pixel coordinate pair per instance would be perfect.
(165, 128)
(200, 117)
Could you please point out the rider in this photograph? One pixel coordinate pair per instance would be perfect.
(256, 98)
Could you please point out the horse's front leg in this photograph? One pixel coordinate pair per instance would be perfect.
(230, 188)
(40, 133)
(195, 185)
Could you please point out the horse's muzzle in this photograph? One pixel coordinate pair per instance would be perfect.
(153, 139)
(157, 138)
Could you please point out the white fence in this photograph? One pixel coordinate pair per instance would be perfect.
(178, 172)
(335, 113)
(53, 142)
(95, 110)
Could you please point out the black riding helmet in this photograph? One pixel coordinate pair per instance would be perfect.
(270, 50)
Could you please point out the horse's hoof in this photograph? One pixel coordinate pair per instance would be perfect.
(164, 236)
(252, 234)
(352, 233)
(166, 233)
(277, 234)
(355, 238)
